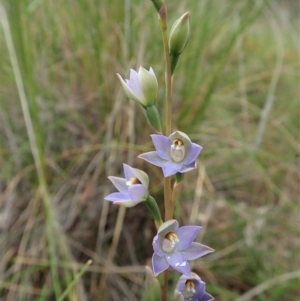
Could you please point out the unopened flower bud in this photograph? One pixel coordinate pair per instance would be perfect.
(179, 35)
(152, 287)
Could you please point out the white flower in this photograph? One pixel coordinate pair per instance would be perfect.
(141, 87)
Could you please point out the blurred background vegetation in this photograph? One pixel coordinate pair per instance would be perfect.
(65, 125)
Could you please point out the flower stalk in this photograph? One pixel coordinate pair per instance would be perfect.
(168, 74)
(169, 208)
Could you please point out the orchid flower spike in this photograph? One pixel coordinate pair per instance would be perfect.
(132, 190)
(141, 87)
(175, 153)
(173, 246)
(191, 289)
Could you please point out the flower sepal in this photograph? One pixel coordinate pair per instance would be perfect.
(152, 207)
(179, 177)
(153, 118)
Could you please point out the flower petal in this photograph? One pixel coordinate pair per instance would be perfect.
(139, 174)
(196, 250)
(128, 204)
(128, 172)
(199, 288)
(192, 153)
(182, 136)
(159, 264)
(179, 263)
(162, 145)
(178, 296)
(186, 168)
(117, 196)
(153, 158)
(181, 283)
(171, 168)
(186, 235)
(128, 91)
(149, 86)
(168, 226)
(207, 297)
(135, 84)
(152, 72)
(137, 192)
(120, 184)
(156, 246)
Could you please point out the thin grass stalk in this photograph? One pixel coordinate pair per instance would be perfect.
(258, 290)
(276, 74)
(131, 136)
(22, 248)
(111, 154)
(75, 280)
(36, 153)
(242, 72)
(214, 76)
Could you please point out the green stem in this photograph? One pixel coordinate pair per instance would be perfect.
(164, 31)
(169, 208)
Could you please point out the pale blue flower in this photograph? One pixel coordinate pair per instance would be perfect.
(191, 288)
(175, 153)
(174, 246)
(132, 190)
(141, 86)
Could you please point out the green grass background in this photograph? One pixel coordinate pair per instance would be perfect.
(65, 125)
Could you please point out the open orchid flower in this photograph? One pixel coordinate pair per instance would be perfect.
(173, 246)
(191, 289)
(132, 190)
(175, 153)
(141, 87)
